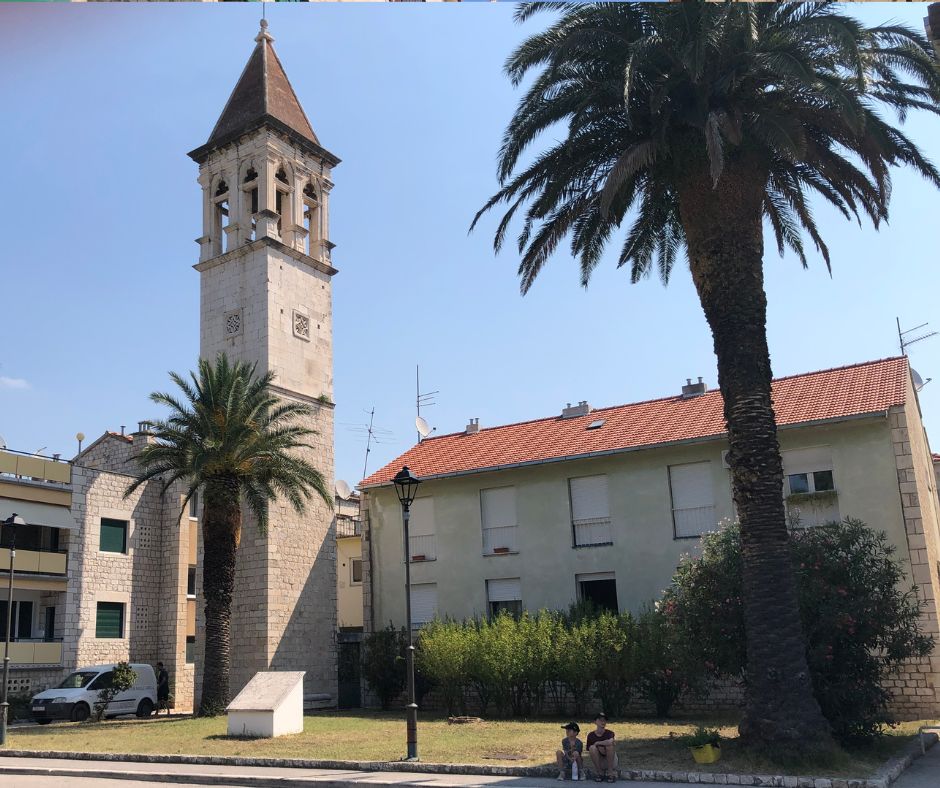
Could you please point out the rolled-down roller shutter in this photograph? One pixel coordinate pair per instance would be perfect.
(507, 589)
(423, 602)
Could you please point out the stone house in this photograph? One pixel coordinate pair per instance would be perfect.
(600, 504)
(98, 577)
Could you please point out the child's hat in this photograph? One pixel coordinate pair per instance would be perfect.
(572, 726)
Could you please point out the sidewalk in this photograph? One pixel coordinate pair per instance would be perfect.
(276, 777)
(923, 773)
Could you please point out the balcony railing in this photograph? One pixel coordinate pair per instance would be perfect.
(17, 465)
(34, 652)
(422, 548)
(41, 562)
(348, 527)
(595, 531)
(501, 539)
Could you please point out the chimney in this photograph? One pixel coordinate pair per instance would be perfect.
(691, 389)
(143, 436)
(122, 429)
(473, 427)
(581, 409)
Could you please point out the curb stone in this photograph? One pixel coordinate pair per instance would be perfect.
(883, 777)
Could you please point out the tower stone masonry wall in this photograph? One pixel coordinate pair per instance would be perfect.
(284, 607)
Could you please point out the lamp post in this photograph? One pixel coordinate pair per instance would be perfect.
(12, 521)
(406, 486)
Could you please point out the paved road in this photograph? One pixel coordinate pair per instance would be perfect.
(923, 773)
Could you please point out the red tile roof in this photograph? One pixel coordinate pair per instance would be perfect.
(869, 387)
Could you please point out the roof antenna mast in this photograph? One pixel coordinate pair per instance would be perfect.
(904, 342)
(426, 399)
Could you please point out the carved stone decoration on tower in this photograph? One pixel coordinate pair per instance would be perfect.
(265, 297)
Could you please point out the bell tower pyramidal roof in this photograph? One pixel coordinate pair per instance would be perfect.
(262, 96)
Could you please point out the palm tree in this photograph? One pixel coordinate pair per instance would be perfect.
(695, 122)
(231, 437)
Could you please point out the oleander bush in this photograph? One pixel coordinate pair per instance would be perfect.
(859, 611)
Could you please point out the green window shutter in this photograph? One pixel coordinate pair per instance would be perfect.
(113, 535)
(190, 649)
(109, 621)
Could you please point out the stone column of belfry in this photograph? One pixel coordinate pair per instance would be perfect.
(265, 300)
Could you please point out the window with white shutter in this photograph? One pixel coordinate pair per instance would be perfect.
(693, 499)
(590, 510)
(504, 594)
(421, 536)
(809, 487)
(498, 515)
(423, 603)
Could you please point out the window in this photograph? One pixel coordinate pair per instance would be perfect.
(221, 219)
(109, 620)
(600, 589)
(190, 649)
(356, 571)
(191, 581)
(194, 505)
(113, 536)
(422, 543)
(693, 500)
(504, 595)
(22, 623)
(104, 681)
(809, 487)
(423, 603)
(500, 524)
(311, 219)
(590, 510)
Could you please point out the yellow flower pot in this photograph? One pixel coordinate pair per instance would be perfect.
(707, 753)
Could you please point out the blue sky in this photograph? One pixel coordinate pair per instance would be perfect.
(100, 208)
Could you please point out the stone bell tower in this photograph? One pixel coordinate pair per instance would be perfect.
(265, 278)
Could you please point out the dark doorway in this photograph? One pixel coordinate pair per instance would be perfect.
(50, 625)
(601, 593)
(350, 695)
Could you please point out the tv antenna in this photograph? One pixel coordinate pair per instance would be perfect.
(903, 340)
(372, 434)
(426, 399)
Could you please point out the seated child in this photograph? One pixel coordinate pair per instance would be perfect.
(570, 752)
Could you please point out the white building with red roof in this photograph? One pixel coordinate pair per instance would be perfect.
(600, 503)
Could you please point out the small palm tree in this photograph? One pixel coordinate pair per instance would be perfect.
(229, 436)
(695, 122)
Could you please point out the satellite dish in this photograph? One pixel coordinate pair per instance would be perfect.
(342, 489)
(424, 429)
(919, 382)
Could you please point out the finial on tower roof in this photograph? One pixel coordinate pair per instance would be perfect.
(263, 34)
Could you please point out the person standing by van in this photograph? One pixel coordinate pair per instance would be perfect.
(163, 689)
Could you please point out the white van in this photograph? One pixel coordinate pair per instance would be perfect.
(74, 699)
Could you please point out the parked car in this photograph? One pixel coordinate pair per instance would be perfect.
(75, 698)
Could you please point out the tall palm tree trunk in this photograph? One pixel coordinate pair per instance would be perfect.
(220, 536)
(725, 243)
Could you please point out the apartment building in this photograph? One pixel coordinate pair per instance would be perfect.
(600, 504)
(97, 577)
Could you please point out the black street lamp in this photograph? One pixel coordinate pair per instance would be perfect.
(406, 486)
(12, 521)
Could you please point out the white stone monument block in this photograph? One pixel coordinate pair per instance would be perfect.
(271, 704)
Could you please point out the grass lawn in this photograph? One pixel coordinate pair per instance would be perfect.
(376, 736)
